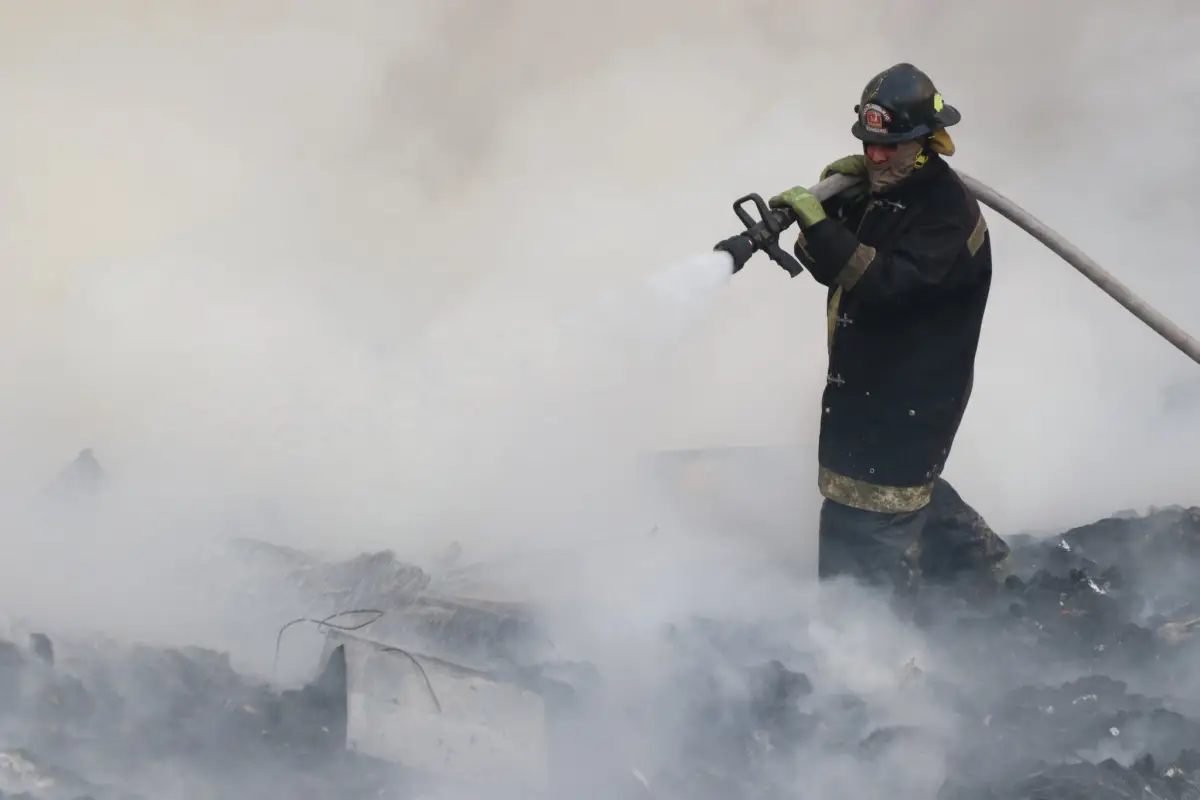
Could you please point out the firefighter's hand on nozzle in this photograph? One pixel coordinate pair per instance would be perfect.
(739, 248)
(853, 166)
(803, 203)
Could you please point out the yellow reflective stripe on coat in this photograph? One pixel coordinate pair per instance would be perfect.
(831, 317)
(802, 243)
(872, 496)
(855, 266)
(975, 240)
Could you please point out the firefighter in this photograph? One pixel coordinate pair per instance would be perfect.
(907, 262)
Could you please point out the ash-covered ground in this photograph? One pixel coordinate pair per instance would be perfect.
(1075, 679)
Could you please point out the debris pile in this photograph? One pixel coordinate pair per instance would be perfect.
(170, 720)
(1075, 678)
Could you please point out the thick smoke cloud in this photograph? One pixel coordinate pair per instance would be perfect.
(342, 264)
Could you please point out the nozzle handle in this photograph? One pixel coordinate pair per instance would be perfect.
(770, 222)
(764, 231)
(776, 219)
(781, 218)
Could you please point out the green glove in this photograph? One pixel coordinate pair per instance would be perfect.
(803, 203)
(847, 165)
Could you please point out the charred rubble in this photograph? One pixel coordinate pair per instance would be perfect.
(1082, 684)
(106, 711)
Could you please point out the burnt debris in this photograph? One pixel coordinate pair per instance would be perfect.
(118, 709)
(1074, 679)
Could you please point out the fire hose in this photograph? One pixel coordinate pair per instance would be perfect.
(764, 233)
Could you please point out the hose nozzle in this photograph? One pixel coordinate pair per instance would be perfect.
(762, 233)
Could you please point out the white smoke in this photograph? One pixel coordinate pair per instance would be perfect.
(342, 262)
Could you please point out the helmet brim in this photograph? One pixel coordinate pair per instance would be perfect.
(949, 115)
(871, 137)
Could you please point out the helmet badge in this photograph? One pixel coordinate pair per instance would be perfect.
(876, 118)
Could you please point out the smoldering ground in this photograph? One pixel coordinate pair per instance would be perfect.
(309, 267)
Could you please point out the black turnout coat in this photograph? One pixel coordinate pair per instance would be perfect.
(908, 272)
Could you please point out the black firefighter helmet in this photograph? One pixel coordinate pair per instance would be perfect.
(900, 104)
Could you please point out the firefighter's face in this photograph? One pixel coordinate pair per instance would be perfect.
(879, 153)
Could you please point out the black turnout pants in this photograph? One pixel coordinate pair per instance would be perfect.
(945, 542)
